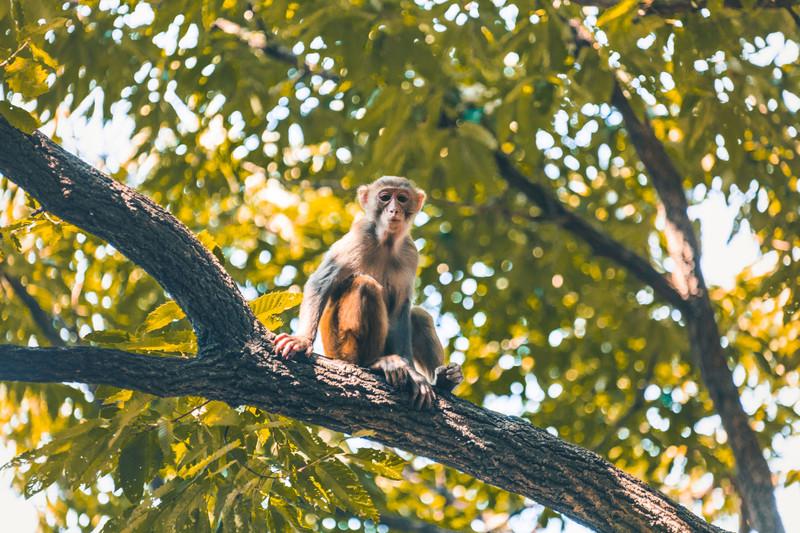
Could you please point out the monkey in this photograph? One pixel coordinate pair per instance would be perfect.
(359, 298)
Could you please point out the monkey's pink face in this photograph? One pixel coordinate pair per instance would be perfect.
(396, 208)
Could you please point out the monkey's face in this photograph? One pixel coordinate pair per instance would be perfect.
(396, 207)
(391, 202)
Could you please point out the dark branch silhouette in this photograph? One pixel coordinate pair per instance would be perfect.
(752, 471)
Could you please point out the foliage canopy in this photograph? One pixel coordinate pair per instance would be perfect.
(254, 123)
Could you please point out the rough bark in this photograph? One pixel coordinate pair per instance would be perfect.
(136, 226)
(507, 452)
(238, 367)
(754, 479)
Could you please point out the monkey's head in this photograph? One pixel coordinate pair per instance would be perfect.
(391, 202)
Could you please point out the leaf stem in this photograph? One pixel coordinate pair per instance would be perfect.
(15, 53)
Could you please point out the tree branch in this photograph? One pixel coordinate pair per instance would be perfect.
(600, 243)
(675, 7)
(42, 320)
(753, 474)
(143, 231)
(504, 451)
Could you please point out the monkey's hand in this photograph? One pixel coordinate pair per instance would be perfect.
(447, 377)
(287, 346)
(395, 368)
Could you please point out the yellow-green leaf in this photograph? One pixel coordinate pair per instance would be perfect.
(379, 462)
(219, 414)
(43, 57)
(111, 337)
(27, 77)
(120, 396)
(18, 117)
(209, 242)
(162, 316)
(617, 11)
(274, 303)
(194, 470)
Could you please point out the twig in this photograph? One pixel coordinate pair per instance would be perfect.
(190, 411)
(15, 53)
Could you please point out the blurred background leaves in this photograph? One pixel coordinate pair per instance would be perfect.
(254, 122)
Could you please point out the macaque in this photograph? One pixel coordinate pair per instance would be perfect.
(360, 298)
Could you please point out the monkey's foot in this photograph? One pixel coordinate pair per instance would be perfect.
(422, 394)
(399, 372)
(395, 368)
(447, 377)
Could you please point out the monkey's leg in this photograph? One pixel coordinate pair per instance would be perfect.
(429, 354)
(355, 322)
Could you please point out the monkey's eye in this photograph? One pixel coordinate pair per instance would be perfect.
(402, 198)
(385, 196)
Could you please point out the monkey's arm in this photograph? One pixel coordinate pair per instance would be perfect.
(398, 365)
(316, 292)
(399, 337)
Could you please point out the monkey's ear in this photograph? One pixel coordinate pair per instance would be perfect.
(363, 196)
(420, 198)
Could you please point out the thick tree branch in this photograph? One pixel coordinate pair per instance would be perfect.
(753, 474)
(42, 320)
(600, 243)
(143, 231)
(504, 451)
(675, 7)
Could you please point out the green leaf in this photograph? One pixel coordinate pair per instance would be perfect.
(350, 493)
(42, 56)
(18, 117)
(132, 467)
(293, 515)
(200, 465)
(379, 462)
(162, 316)
(109, 337)
(43, 475)
(220, 414)
(121, 396)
